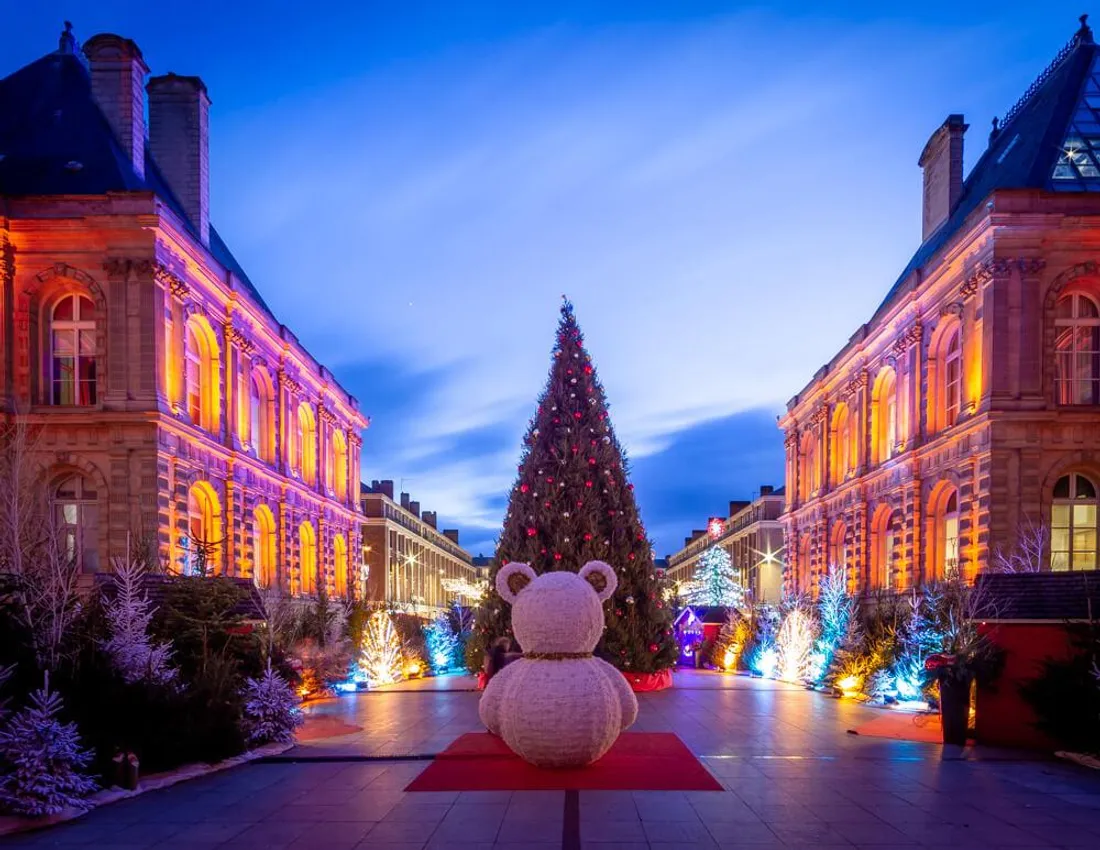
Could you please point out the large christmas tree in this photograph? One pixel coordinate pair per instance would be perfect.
(572, 503)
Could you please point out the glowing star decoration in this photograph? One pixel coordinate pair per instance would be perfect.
(381, 660)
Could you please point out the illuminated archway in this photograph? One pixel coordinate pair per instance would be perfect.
(944, 512)
(884, 416)
(203, 540)
(307, 557)
(200, 351)
(263, 546)
(340, 564)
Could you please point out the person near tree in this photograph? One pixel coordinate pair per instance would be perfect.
(572, 503)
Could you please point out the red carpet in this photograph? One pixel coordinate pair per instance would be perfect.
(639, 761)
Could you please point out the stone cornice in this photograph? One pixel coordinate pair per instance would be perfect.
(171, 281)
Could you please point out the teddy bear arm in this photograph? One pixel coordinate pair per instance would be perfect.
(627, 701)
(491, 706)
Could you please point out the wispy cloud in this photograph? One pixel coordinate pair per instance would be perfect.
(724, 201)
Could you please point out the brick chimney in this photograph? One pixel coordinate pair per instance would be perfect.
(179, 138)
(118, 85)
(405, 501)
(766, 489)
(942, 161)
(414, 508)
(429, 518)
(451, 534)
(386, 488)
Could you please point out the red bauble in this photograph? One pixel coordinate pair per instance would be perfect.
(641, 537)
(587, 483)
(629, 486)
(523, 488)
(588, 537)
(557, 556)
(577, 415)
(546, 504)
(592, 460)
(531, 532)
(660, 604)
(549, 479)
(588, 370)
(630, 556)
(653, 647)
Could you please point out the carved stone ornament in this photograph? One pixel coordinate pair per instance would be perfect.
(890, 362)
(171, 282)
(1000, 267)
(909, 337)
(125, 266)
(955, 308)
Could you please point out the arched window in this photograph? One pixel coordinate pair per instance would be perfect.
(203, 541)
(944, 516)
(260, 410)
(842, 460)
(340, 465)
(77, 514)
(952, 379)
(201, 375)
(244, 408)
(885, 416)
(72, 362)
(808, 469)
(340, 564)
(307, 557)
(802, 573)
(307, 444)
(1077, 347)
(838, 552)
(883, 550)
(263, 546)
(1073, 524)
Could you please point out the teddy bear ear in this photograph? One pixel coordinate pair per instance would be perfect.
(601, 577)
(512, 578)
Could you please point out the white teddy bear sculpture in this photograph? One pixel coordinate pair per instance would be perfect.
(558, 705)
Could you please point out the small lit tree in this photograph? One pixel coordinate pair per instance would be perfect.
(271, 709)
(381, 659)
(46, 773)
(443, 644)
(794, 645)
(136, 657)
(716, 581)
(834, 611)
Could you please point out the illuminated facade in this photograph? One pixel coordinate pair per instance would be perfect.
(967, 410)
(172, 406)
(753, 537)
(409, 563)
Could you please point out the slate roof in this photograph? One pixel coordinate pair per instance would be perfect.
(1056, 597)
(54, 140)
(1023, 152)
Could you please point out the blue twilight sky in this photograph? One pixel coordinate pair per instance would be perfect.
(725, 190)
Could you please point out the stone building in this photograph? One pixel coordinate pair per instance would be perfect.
(408, 562)
(753, 537)
(965, 414)
(167, 402)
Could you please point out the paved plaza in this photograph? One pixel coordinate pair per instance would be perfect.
(793, 775)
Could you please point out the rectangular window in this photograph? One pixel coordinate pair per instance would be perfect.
(951, 547)
(1060, 537)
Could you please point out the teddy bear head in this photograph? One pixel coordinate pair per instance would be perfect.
(557, 611)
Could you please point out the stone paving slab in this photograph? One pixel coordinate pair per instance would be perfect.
(791, 774)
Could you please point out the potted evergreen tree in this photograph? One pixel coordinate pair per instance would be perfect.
(968, 655)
